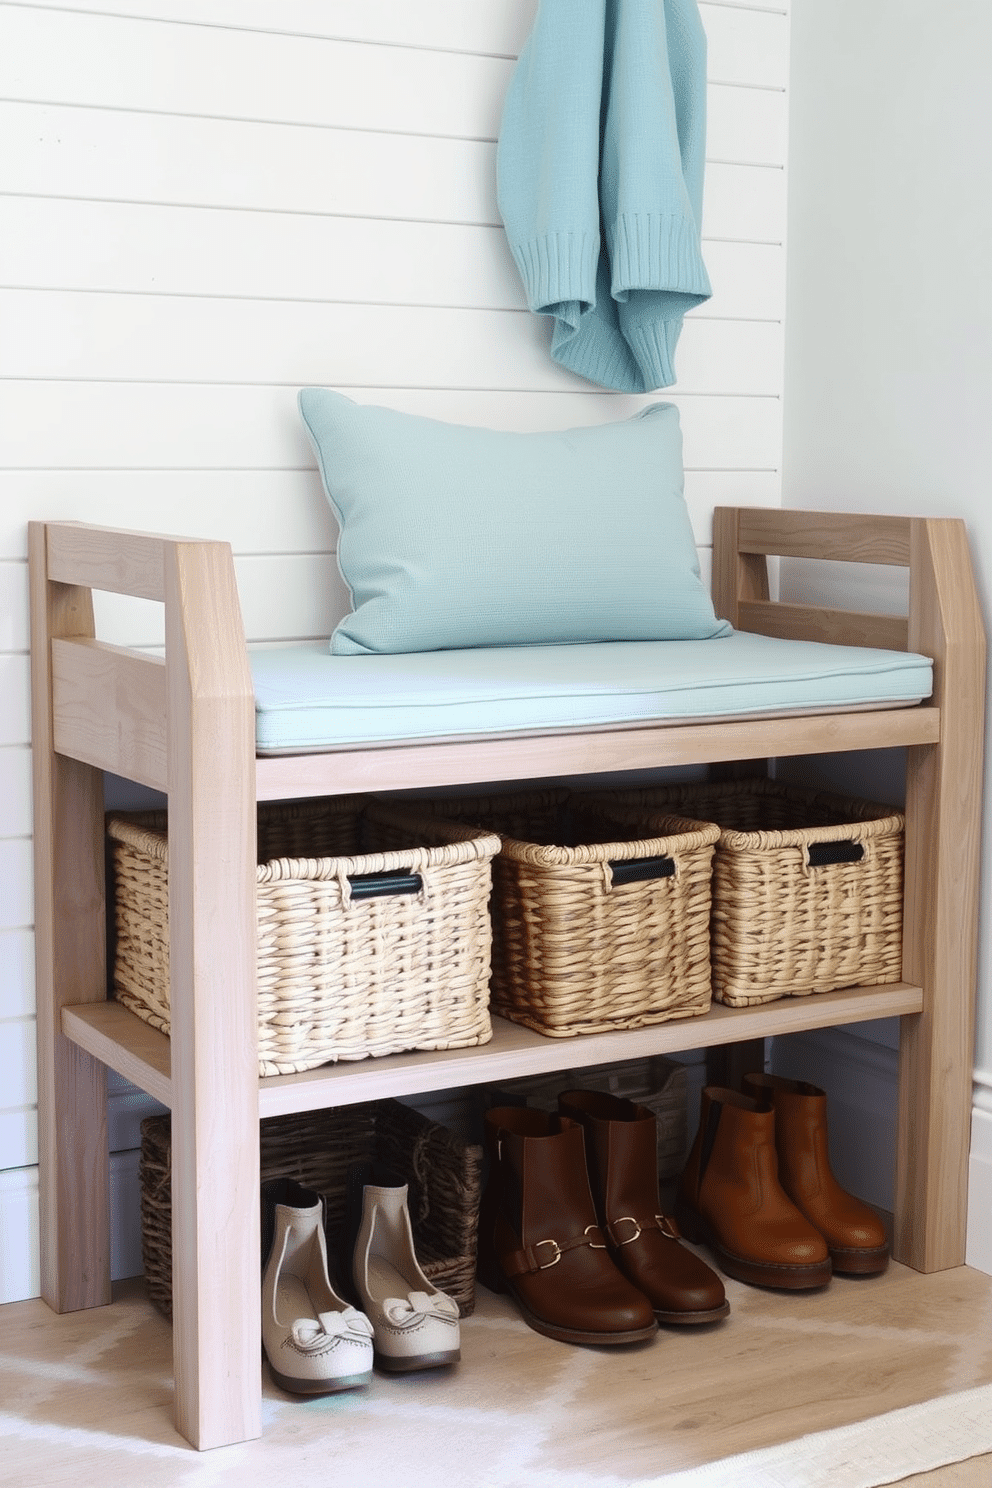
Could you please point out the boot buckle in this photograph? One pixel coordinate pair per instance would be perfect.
(546, 1265)
(592, 1244)
(625, 1219)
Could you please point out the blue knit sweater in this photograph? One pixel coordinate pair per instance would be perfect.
(600, 172)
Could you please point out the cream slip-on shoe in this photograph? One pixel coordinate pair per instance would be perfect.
(415, 1325)
(316, 1343)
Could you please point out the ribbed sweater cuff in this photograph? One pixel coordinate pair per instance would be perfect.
(651, 250)
(641, 361)
(557, 268)
(598, 353)
(653, 344)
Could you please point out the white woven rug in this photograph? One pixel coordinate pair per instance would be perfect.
(881, 1450)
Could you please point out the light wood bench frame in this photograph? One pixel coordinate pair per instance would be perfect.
(185, 725)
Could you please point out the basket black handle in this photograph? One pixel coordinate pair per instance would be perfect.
(637, 870)
(379, 885)
(820, 854)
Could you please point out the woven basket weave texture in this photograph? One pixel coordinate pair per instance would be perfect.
(443, 1174)
(339, 976)
(782, 927)
(574, 951)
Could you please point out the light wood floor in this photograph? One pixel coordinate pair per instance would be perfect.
(85, 1398)
(976, 1473)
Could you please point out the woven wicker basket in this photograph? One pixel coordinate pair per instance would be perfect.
(656, 1082)
(317, 1149)
(807, 886)
(344, 970)
(594, 927)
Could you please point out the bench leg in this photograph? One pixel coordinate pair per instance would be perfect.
(940, 935)
(70, 967)
(212, 919)
(936, 1047)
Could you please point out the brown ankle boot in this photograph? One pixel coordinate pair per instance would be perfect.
(854, 1234)
(538, 1235)
(622, 1158)
(730, 1197)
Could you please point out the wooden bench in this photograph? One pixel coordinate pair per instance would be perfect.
(184, 724)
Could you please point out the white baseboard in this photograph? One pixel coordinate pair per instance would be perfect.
(979, 1247)
(20, 1275)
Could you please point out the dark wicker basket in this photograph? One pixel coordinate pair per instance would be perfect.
(317, 1148)
(656, 1082)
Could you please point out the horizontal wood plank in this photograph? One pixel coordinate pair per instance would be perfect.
(137, 1051)
(15, 689)
(123, 1043)
(126, 562)
(109, 710)
(137, 428)
(17, 970)
(61, 150)
(853, 538)
(48, 243)
(517, 1052)
(447, 25)
(261, 513)
(746, 44)
(101, 154)
(16, 901)
(216, 72)
(744, 203)
(15, 813)
(58, 335)
(814, 623)
(547, 756)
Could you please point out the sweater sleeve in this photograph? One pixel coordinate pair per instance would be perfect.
(600, 173)
(651, 175)
(547, 158)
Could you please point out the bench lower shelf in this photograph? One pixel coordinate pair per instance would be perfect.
(141, 1054)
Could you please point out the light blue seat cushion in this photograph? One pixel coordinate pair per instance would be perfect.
(307, 699)
(454, 536)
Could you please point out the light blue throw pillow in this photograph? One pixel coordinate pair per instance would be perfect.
(454, 537)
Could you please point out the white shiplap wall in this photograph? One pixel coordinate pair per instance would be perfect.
(206, 204)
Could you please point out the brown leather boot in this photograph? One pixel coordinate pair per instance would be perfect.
(622, 1158)
(730, 1198)
(538, 1235)
(853, 1232)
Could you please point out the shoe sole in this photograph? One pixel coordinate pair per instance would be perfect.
(320, 1387)
(495, 1281)
(775, 1274)
(855, 1262)
(690, 1319)
(397, 1364)
(580, 1335)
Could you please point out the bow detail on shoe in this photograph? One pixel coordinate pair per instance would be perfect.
(311, 1334)
(414, 1308)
